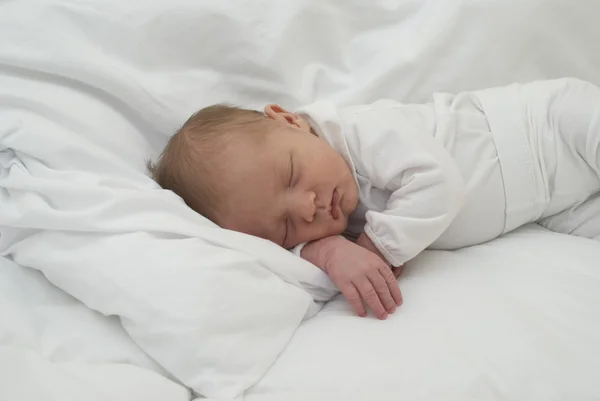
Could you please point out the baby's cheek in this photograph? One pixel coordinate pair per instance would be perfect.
(337, 228)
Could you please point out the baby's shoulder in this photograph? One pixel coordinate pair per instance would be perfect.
(369, 107)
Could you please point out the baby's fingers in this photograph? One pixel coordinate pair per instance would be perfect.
(370, 296)
(383, 291)
(397, 270)
(392, 283)
(353, 298)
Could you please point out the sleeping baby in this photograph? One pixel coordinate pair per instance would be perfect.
(360, 190)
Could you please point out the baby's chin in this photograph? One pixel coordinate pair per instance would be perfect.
(340, 225)
(332, 228)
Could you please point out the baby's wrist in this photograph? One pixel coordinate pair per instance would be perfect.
(366, 242)
(319, 252)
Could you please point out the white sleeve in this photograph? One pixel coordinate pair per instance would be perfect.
(394, 148)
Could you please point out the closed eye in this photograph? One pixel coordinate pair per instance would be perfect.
(286, 221)
(291, 171)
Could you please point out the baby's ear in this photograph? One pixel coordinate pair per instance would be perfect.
(278, 113)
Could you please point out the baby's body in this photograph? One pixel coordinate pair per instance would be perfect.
(397, 179)
(523, 153)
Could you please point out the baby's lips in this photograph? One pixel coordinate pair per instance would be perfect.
(335, 205)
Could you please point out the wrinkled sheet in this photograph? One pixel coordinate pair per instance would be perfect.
(90, 89)
(514, 319)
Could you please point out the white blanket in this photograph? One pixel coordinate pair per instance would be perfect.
(78, 206)
(89, 89)
(54, 348)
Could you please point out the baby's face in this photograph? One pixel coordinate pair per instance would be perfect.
(290, 188)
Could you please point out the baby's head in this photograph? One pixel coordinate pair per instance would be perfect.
(266, 175)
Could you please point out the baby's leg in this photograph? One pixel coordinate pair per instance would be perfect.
(567, 123)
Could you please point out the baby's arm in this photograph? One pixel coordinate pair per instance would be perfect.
(426, 186)
(360, 274)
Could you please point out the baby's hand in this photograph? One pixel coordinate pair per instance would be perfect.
(364, 241)
(360, 274)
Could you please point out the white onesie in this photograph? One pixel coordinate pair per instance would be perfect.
(464, 169)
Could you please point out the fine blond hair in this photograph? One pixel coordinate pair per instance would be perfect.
(192, 162)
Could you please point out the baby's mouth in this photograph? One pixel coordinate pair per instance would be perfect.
(335, 205)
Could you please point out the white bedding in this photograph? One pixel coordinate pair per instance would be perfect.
(89, 89)
(513, 319)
